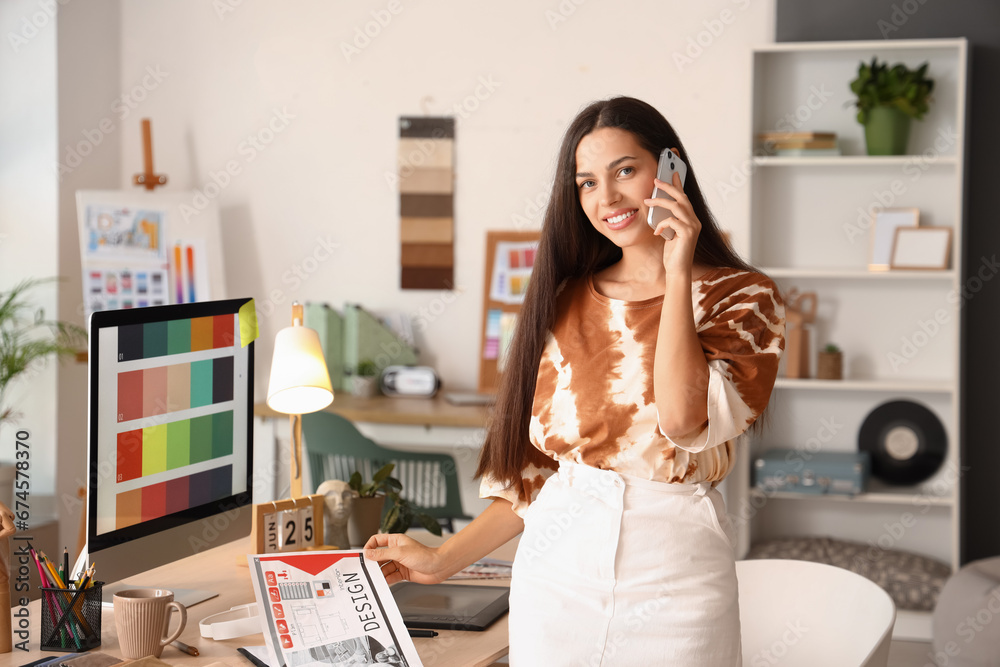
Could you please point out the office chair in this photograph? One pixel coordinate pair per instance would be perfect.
(795, 612)
(335, 449)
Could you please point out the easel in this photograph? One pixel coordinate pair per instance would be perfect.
(147, 178)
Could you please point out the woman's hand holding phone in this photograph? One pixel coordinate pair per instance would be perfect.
(669, 165)
(676, 218)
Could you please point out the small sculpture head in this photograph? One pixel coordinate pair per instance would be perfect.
(339, 499)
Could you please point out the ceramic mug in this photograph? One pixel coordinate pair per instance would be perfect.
(141, 616)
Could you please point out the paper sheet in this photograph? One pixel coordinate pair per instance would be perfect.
(323, 608)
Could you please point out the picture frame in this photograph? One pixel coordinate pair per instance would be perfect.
(178, 257)
(883, 234)
(509, 260)
(921, 248)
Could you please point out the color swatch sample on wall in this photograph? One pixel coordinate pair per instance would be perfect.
(175, 495)
(426, 202)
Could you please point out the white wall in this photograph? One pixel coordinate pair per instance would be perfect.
(227, 74)
(210, 78)
(28, 213)
(88, 72)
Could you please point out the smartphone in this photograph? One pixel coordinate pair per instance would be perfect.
(669, 164)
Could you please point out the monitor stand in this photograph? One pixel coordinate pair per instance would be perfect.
(186, 596)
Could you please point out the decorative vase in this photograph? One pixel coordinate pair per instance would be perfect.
(362, 386)
(365, 520)
(887, 131)
(830, 366)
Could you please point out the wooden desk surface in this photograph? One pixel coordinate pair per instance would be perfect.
(224, 569)
(390, 410)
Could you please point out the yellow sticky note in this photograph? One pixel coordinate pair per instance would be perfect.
(248, 323)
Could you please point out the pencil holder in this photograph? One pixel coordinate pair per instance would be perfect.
(71, 618)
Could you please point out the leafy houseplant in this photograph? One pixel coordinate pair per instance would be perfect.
(831, 363)
(364, 378)
(26, 338)
(366, 521)
(887, 98)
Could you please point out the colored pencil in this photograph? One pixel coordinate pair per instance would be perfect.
(190, 267)
(178, 276)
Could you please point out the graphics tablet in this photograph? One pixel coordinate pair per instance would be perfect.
(450, 606)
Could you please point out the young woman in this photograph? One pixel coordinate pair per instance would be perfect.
(636, 364)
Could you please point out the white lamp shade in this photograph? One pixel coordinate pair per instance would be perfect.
(299, 381)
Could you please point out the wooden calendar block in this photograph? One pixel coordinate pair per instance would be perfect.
(292, 524)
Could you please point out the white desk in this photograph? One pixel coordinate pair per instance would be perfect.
(224, 569)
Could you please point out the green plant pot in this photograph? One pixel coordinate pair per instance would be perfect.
(365, 519)
(887, 131)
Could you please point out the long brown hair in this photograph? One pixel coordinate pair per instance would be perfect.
(570, 247)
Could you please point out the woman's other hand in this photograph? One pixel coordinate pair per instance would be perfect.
(403, 558)
(678, 252)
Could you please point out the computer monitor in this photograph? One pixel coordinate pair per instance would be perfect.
(170, 438)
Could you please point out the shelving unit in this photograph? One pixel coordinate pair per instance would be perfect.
(810, 229)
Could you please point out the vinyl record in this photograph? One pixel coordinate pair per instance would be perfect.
(907, 442)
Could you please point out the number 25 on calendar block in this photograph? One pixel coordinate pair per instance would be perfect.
(288, 525)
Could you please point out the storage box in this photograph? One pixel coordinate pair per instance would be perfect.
(802, 471)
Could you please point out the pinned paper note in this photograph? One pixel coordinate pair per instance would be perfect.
(248, 323)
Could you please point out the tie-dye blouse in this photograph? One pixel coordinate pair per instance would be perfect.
(594, 399)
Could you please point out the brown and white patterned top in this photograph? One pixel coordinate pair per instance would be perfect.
(594, 399)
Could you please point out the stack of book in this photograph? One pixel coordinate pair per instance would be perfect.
(798, 144)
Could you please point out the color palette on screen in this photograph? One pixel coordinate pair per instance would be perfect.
(158, 339)
(163, 447)
(175, 495)
(157, 391)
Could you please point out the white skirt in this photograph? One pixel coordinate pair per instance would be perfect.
(614, 570)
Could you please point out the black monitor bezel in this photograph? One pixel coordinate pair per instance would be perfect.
(117, 318)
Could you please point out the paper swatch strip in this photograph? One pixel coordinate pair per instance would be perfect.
(426, 202)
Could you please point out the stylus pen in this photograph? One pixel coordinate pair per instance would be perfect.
(421, 633)
(190, 650)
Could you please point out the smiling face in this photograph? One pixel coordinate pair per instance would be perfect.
(614, 175)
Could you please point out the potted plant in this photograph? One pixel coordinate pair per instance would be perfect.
(27, 338)
(364, 379)
(830, 365)
(887, 98)
(369, 514)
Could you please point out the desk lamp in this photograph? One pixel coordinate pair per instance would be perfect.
(299, 384)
